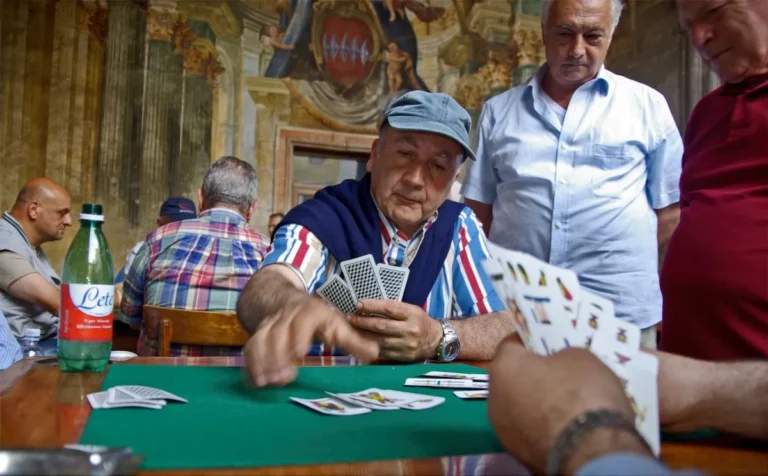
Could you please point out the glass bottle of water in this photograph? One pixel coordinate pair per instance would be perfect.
(29, 343)
(87, 297)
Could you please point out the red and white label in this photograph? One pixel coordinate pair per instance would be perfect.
(86, 312)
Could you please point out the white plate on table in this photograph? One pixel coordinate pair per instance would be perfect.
(121, 355)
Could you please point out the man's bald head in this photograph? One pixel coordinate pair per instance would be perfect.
(38, 190)
(42, 207)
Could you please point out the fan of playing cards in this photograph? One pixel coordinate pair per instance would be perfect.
(135, 396)
(364, 280)
(555, 313)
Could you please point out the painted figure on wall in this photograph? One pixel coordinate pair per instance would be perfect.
(344, 58)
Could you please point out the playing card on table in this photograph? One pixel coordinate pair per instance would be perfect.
(393, 280)
(412, 401)
(330, 406)
(362, 278)
(472, 394)
(100, 400)
(336, 292)
(354, 400)
(374, 396)
(445, 383)
(457, 375)
(149, 393)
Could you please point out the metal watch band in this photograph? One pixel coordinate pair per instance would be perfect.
(578, 428)
(449, 335)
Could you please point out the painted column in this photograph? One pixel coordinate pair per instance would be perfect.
(201, 67)
(162, 108)
(119, 144)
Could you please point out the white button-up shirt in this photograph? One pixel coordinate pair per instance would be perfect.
(578, 190)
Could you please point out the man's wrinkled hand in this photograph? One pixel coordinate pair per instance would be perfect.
(285, 337)
(404, 332)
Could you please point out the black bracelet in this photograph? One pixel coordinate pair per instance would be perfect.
(578, 428)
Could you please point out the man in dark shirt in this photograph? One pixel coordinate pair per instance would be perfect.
(715, 275)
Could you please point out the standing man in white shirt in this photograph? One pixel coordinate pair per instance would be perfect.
(580, 167)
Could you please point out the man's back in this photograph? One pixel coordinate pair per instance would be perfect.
(201, 264)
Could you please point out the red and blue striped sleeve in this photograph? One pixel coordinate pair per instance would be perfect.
(473, 290)
(296, 246)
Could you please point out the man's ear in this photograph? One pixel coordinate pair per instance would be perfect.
(251, 210)
(372, 156)
(33, 210)
(200, 199)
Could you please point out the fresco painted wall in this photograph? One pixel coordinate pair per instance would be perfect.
(126, 102)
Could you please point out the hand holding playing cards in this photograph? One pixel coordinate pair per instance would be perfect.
(405, 333)
(533, 398)
(287, 336)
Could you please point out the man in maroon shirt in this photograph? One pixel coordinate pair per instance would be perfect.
(715, 275)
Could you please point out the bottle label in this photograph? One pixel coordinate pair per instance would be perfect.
(86, 312)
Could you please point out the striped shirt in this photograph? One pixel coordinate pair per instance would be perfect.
(199, 264)
(10, 351)
(462, 288)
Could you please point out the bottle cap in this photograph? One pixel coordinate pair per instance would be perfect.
(92, 212)
(32, 333)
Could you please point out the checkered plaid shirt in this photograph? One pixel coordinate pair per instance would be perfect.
(203, 264)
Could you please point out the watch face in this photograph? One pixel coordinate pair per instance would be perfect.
(452, 350)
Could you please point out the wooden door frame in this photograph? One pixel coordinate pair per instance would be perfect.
(303, 190)
(289, 138)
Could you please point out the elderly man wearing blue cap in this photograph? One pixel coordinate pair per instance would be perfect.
(399, 213)
(173, 209)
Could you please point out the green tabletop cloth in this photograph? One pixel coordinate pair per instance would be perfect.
(228, 425)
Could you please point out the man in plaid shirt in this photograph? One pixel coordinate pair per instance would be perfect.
(201, 263)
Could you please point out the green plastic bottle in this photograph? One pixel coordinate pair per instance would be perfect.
(87, 297)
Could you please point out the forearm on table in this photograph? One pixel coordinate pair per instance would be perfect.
(36, 289)
(269, 290)
(722, 396)
(480, 335)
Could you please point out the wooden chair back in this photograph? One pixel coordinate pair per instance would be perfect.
(181, 326)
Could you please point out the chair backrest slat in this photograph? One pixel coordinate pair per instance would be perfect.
(181, 326)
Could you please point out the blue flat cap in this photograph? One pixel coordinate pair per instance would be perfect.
(431, 112)
(178, 209)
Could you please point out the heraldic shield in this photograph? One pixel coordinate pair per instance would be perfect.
(346, 40)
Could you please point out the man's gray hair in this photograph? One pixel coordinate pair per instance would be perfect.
(616, 7)
(232, 181)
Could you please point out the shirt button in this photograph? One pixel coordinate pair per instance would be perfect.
(558, 225)
(563, 181)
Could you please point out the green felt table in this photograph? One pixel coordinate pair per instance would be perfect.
(227, 424)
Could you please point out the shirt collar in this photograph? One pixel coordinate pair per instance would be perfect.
(604, 80)
(222, 213)
(7, 217)
(748, 86)
(389, 231)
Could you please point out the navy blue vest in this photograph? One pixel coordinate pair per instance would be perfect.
(345, 219)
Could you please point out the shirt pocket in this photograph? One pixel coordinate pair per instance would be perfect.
(609, 166)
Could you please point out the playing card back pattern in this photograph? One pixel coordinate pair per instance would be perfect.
(393, 280)
(337, 293)
(362, 278)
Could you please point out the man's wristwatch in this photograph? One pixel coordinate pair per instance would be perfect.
(449, 347)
